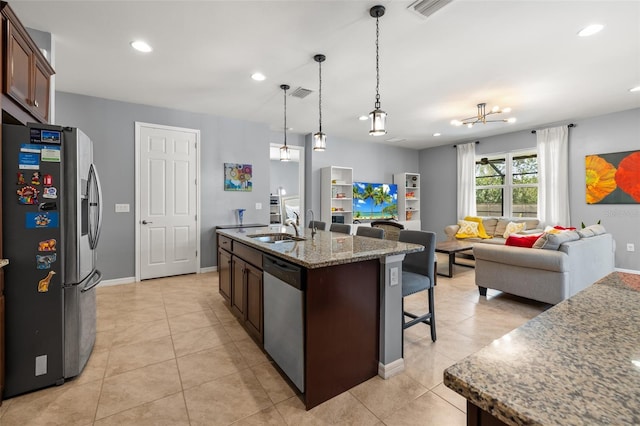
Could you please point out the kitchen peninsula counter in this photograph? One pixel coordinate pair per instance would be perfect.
(347, 300)
(324, 249)
(576, 364)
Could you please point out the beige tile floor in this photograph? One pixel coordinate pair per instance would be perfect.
(169, 352)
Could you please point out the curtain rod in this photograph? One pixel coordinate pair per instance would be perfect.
(477, 142)
(569, 125)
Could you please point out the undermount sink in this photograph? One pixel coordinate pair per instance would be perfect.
(276, 238)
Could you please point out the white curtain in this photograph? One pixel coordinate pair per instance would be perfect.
(466, 179)
(553, 176)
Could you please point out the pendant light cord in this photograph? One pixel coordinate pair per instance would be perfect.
(285, 117)
(320, 96)
(377, 105)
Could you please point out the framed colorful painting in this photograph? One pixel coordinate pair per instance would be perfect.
(613, 178)
(237, 177)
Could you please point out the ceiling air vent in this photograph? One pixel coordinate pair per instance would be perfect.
(301, 93)
(426, 8)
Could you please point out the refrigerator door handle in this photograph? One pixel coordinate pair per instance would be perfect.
(94, 280)
(95, 228)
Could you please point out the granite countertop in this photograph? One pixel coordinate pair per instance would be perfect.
(4, 262)
(324, 249)
(576, 364)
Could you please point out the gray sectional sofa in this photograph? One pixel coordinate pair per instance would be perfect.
(546, 275)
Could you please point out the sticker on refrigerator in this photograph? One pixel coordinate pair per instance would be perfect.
(30, 147)
(47, 245)
(50, 154)
(41, 220)
(35, 178)
(28, 161)
(47, 180)
(44, 261)
(50, 192)
(20, 180)
(27, 195)
(43, 284)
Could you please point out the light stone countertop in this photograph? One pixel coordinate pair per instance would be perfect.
(578, 363)
(325, 249)
(4, 262)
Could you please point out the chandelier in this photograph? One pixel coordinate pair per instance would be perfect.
(482, 116)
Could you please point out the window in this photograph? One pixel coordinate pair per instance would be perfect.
(507, 184)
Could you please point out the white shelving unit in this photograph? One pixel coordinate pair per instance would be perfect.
(336, 195)
(408, 196)
(275, 209)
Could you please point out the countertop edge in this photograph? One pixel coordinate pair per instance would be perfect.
(264, 247)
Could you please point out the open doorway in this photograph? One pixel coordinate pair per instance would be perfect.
(287, 181)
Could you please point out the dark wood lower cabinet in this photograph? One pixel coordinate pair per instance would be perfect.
(224, 273)
(476, 416)
(254, 297)
(238, 280)
(240, 283)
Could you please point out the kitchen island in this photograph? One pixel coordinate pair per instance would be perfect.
(578, 363)
(351, 302)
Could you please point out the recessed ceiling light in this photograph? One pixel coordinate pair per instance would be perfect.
(363, 118)
(437, 134)
(590, 30)
(258, 76)
(141, 46)
(635, 89)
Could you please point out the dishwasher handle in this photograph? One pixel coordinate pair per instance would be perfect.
(285, 271)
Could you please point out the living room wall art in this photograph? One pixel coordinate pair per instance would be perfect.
(237, 177)
(613, 178)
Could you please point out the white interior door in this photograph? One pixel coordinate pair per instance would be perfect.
(167, 226)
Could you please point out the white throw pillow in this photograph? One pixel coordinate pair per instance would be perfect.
(513, 228)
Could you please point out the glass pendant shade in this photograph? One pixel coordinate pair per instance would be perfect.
(378, 122)
(285, 153)
(319, 141)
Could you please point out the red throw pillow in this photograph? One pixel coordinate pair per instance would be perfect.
(524, 241)
(562, 228)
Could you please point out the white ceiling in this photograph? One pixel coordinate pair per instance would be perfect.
(521, 54)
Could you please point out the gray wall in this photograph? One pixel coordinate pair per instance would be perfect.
(111, 126)
(371, 162)
(608, 133)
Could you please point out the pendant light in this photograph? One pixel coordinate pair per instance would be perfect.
(319, 139)
(377, 116)
(285, 154)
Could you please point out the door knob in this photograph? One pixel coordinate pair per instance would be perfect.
(144, 222)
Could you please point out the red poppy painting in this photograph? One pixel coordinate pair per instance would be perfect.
(613, 178)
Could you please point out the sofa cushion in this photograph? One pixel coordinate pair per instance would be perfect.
(489, 224)
(513, 228)
(482, 233)
(586, 233)
(549, 241)
(468, 229)
(522, 240)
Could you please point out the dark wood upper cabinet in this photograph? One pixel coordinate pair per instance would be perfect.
(27, 73)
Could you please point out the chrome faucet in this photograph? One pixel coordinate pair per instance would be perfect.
(314, 228)
(293, 223)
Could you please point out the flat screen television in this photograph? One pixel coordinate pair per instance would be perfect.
(372, 201)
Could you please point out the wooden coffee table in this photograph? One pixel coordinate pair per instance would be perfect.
(451, 248)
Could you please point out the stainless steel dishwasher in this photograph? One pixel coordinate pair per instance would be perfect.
(284, 317)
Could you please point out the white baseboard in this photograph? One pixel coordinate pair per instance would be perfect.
(387, 371)
(628, 271)
(208, 269)
(117, 281)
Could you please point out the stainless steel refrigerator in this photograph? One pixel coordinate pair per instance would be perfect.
(52, 217)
